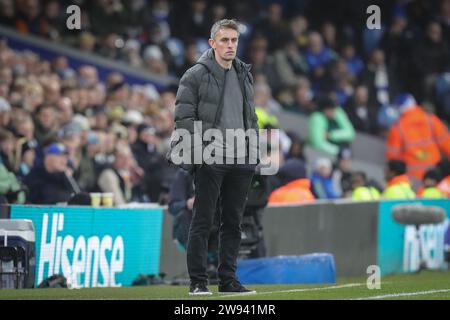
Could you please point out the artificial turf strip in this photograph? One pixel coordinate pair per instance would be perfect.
(428, 282)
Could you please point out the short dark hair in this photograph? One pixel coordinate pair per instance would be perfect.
(359, 174)
(325, 102)
(5, 135)
(444, 167)
(433, 174)
(398, 167)
(222, 24)
(43, 106)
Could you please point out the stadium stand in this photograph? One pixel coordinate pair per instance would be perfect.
(111, 85)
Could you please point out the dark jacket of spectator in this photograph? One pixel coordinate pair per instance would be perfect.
(47, 188)
(362, 115)
(181, 190)
(155, 167)
(431, 57)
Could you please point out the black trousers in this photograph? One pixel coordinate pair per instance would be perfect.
(230, 184)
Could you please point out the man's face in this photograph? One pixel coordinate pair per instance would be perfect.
(55, 162)
(47, 117)
(7, 146)
(225, 44)
(324, 171)
(28, 157)
(329, 112)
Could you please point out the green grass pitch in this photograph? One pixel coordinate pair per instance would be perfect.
(424, 285)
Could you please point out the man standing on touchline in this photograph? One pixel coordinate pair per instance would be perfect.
(218, 91)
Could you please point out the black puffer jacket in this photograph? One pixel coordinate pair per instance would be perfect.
(200, 94)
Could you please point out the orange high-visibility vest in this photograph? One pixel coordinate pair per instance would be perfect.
(297, 191)
(417, 138)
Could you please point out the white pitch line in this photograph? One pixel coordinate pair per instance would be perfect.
(404, 294)
(349, 285)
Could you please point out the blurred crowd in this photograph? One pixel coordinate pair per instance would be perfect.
(64, 130)
(300, 49)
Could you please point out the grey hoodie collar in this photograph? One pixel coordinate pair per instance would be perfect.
(207, 59)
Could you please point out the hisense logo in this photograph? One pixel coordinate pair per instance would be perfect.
(90, 257)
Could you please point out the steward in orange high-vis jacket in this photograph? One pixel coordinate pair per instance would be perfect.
(295, 192)
(417, 138)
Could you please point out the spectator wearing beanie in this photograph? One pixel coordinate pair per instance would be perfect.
(51, 183)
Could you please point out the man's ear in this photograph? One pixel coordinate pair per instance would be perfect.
(212, 43)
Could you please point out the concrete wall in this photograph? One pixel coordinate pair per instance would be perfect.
(4, 212)
(172, 260)
(348, 230)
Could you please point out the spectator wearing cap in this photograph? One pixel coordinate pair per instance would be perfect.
(329, 127)
(51, 183)
(321, 181)
(417, 138)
